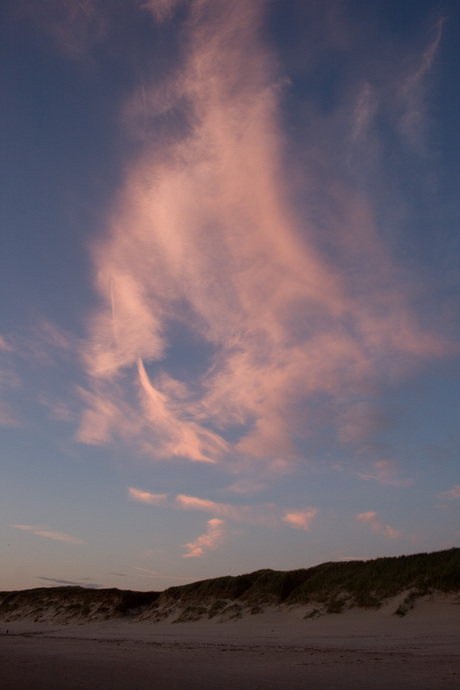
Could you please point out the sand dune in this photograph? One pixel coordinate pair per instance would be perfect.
(398, 582)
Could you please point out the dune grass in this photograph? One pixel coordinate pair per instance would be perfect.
(366, 582)
(73, 602)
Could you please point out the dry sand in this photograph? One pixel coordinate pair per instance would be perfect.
(275, 649)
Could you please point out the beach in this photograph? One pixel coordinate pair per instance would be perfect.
(357, 649)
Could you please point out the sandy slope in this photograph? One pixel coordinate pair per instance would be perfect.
(277, 649)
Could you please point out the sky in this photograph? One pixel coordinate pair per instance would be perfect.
(229, 287)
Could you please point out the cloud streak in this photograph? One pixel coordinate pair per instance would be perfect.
(42, 531)
(413, 90)
(74, 27)
(84, 582)
(147, 497)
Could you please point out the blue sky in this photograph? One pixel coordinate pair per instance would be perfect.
(229, 297)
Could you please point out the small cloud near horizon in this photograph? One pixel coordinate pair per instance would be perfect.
(42, 531)
(370, 518)
(210, 540)
(302, 519)
(71, 583)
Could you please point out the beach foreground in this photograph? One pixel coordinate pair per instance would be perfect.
(358, 649)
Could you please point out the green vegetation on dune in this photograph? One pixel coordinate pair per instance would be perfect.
(365, 582)
(368, 582)
(334, 586)
(228, 587)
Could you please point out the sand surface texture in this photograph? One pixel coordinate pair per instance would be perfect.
(359, 649)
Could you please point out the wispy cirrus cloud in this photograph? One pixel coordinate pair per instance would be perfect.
(204, 237)
(370, 518)
(7, 417)
(147, 573)
(28, 352)
(385, 472)
(43, 531)
(412, 93)
(73, 27)
(58, 409)
(106, 415)
(399, 93)
(161, 9)
(366, 107)
(8, 381)
(43, 344)
(210, 540)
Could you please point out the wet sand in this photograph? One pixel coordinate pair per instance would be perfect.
(350, 651)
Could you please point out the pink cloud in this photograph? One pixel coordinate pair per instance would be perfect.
(366, 517)
(301, 520)
(210, 540)
(147, 497)
(452, 493)
(4, 345)
(246, 485)
(41, 531)
(377, 526)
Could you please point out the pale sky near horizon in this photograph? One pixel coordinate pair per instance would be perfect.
(229, 298)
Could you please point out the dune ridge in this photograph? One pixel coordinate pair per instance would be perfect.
(397, 583)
